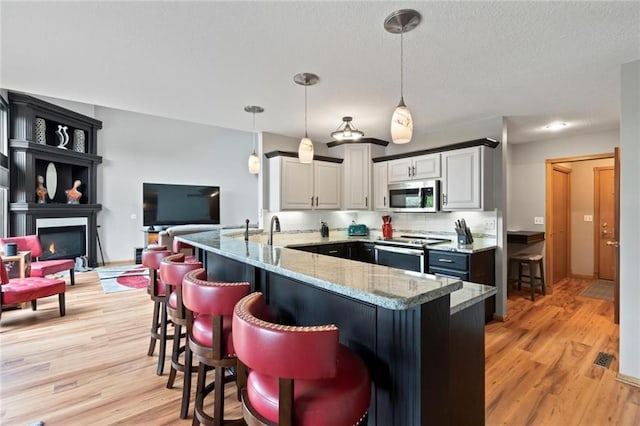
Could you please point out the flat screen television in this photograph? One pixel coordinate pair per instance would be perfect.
(167, 204)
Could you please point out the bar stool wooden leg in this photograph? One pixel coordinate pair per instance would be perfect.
(163, 340)
(186, 385)
(532, 280)
(544, 287)
(155, 325)
(519, 275)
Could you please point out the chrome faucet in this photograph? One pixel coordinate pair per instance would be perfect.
(275, 219)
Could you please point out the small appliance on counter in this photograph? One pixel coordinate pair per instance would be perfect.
(387, 230)
(358, 230)
(324, 230)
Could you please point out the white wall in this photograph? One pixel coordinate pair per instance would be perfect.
(526, 174)
(140, 148)
(629, 228)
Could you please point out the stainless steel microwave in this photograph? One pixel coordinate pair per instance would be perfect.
(415, 196)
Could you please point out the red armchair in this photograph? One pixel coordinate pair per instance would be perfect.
(298, 375)
(21, 290)
(40, 268)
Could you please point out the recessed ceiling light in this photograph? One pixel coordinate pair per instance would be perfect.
(555, 126)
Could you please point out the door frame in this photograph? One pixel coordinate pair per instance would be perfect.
(549, 166)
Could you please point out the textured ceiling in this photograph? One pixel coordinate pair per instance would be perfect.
(204, 61)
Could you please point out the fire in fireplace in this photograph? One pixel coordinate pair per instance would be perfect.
(63, 242)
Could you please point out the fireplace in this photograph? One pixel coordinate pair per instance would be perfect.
(62, 242)
(62, 238)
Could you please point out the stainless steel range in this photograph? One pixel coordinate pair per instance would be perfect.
(406, 251)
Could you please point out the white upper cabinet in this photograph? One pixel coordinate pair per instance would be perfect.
(297, 186)
(467, 179)
(380, 186)
(414, 168)
(326, 185)
(357, 177)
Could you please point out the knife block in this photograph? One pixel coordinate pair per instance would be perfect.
(464, 239)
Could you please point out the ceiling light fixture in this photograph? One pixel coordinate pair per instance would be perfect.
(400, 22)
(346, 131)
(305, 149)
(555, 126)
(254, 161)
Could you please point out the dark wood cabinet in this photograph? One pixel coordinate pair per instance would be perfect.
(364, 252)
(477, 268)
(36, 148)
(336, 250)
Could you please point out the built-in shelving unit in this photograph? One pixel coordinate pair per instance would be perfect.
(34, 150)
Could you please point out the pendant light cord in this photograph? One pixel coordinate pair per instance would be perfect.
(401, 66)
(305, 112)
(254, 132)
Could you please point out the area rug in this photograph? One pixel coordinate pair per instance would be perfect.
(599, 289)
(115, 279)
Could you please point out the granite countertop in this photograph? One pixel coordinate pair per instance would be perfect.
(469, 294)
(379, 285)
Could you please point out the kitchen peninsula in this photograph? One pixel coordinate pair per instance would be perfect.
(400, 322)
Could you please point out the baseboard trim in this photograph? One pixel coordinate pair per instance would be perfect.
(500, 318)
(629, 380)
(583, 277)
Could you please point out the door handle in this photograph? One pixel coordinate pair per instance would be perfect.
(312, 201)
(613, 243)
(366, 201)
(384, 201)
(317, 204)
(413, 170)
(445, 260)
(409, 172)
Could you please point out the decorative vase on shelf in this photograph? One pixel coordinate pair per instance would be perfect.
(63, 136)
(78, 140)
(41, 131)
(73, 195)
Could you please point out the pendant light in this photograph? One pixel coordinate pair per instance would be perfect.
(400, 22)
(305, 149)
(346, 131)
(254, 161)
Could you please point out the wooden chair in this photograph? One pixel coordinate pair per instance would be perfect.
(209, 308)
(315, 380)
(172, 271)
(30, 289)
(40, 268)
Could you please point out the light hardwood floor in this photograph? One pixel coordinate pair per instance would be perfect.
(90, 367)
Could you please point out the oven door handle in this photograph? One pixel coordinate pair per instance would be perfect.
(400, 250)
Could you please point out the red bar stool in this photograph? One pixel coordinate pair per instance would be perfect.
(297, 375)
(172, 271)
(209, 309)
(151, 258)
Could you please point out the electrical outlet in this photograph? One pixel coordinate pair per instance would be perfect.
(588, 218)
(490, 224)
(133, 216)
(538, 220)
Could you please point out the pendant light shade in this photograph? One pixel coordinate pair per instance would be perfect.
(346, 131)
(305, 148)
(254, 160)
(400, 22)
(401, 125)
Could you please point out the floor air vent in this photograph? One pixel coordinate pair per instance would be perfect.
(603, 360)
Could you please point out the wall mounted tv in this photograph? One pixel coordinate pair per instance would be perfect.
(166, 204)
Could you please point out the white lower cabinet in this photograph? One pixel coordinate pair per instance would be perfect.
(297, 186)
(467, 179)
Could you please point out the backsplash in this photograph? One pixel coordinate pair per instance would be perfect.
(480, 222)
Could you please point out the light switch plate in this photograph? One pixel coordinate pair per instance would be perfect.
(538, 220)
(588, 218)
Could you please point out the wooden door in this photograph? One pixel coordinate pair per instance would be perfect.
(604, 223)
(560, 224)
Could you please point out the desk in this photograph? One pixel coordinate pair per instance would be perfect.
(19, 265)
(524, 237)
